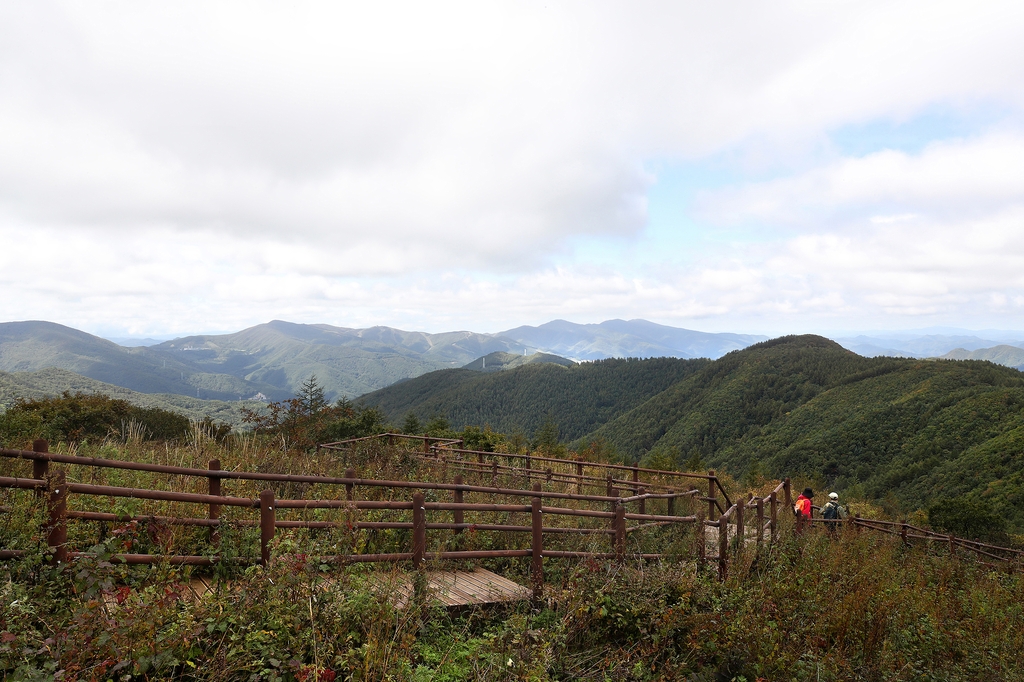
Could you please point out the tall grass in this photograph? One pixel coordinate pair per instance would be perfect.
(855, 607)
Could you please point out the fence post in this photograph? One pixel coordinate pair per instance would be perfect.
(741, 536)
(579, 478)
(620, 532)
(670, 503)
(723, 547)
(40, 467)
(537, 560)
(350, 487)
(636, 478)
(419, 530)
(787, 487)
(480, 458)
(609, 487)
(760, 521)
(214, 488)
(702, 540)
(952, 545)
(267, 521)
(457, 499)
(642, 507)
(426, 446)
(712, 494)
(903, 532)
(57, 526)
(773, 511)
(547, 474)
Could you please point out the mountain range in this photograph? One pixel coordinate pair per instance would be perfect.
(906, 430)
(270, 361)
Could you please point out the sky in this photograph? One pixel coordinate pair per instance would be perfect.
(173, 168)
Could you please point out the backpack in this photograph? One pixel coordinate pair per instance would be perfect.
(831, 511)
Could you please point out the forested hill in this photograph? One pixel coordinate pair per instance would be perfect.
(580, 398)
(903, 431)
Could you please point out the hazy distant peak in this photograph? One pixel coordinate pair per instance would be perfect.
(1003, 354)
(499, 360)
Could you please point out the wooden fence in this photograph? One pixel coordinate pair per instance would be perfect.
(559, 469)
(615, 512)
(754, 520)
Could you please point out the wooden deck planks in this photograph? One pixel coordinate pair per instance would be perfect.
(450, 588)
(479, 586)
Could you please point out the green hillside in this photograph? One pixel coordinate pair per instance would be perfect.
(35, 345)
(499, 361)
(1011, 356)
(53, 382)
(580, 397)
(909, 431)
(273, 359)
(903, 431)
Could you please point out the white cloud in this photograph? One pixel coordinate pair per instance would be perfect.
(950, 177)
(198, 165)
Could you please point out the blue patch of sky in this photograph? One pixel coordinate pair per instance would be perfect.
(939, 122)
(673, 236)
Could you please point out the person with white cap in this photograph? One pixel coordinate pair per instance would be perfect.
(833, 512)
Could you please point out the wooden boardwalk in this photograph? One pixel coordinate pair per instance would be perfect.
(463, 588)
(449, 588)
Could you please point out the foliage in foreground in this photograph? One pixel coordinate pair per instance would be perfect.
(858, 608)
(88, 416)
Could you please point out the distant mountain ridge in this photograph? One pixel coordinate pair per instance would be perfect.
(273, 359)
(499, 361)
(52, 382)
(920, 346)
(1010, 356)
(627, 338)
(904, 429)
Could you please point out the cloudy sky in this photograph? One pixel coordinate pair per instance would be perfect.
(753, 167)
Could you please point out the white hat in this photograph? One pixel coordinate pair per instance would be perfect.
(833, 496)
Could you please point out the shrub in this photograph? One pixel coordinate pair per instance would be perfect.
(81, 416)
(968, 518)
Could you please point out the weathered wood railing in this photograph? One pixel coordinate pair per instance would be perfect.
(57, 490)
(764, 510)
(445, 450)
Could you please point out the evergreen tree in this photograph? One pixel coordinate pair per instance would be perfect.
(311, 396)
(545, 438)
(412, 425)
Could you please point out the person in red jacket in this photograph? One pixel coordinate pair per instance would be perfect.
(802, 509)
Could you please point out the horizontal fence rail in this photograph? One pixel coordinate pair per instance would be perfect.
(754, 520)
(442, 445)
(622, 516)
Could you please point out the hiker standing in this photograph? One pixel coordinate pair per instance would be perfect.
(833, 513)
(802, 509)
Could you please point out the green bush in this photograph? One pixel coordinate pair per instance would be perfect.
(969, 519)
(83, 416)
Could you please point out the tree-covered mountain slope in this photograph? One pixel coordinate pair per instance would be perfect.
(579, 397)
(906, 430)
(627, 339)
(273, 359)
(52, 382)
(346, 362)
(1003, 354)
(499, 361)
(36, 345)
